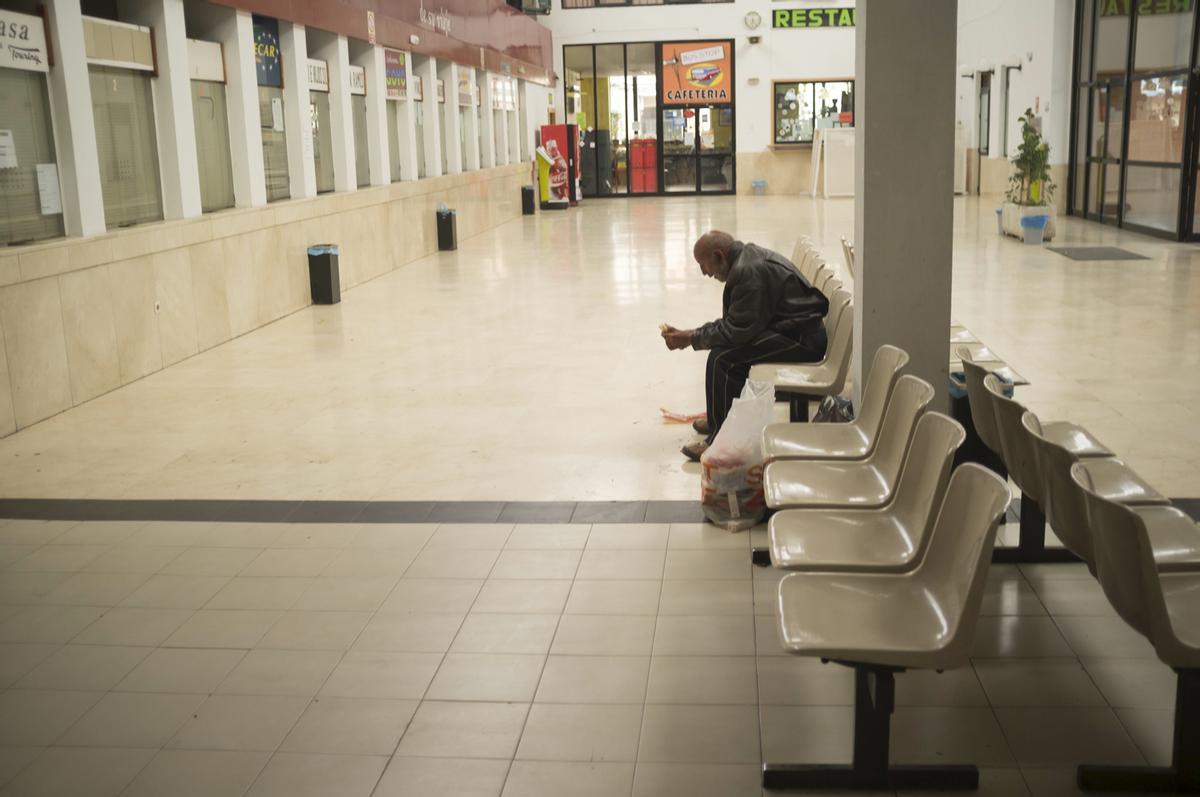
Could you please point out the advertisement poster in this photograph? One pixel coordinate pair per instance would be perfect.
(266, 52)
(697, 73)
(553, 174)
(395, 74)
(465, 95)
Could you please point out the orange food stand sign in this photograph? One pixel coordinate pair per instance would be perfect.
(697, 73)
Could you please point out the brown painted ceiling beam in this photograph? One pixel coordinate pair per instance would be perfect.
(485, 34)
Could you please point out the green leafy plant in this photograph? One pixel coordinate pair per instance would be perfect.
(1030, 183)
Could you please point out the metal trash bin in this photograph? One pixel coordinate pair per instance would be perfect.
(447, 230)
(527, 200)
(323, 279)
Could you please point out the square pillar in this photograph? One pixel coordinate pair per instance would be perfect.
(514, 129)
(448, 72)
(234, 30)
(487, 154)
(174, 124)
(428, 72)
(297, 118)
(472, 130)
(904, 183)
(370, 58)
(406, 123)
(74, 123)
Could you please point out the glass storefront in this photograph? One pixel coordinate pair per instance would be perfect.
(212, 145)
(123, 107)
(630, 142)
(1133, 159)
(362, 161)
(28, 152)
(322, 133)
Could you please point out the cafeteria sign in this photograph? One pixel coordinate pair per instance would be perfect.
(812, 18)
(697, 73)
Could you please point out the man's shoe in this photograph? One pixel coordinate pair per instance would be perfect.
(693, 450)
(701, 426)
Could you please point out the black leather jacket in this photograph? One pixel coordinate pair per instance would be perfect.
(762, 292)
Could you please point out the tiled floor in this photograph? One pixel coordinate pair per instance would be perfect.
(496, 659)
(526, 366)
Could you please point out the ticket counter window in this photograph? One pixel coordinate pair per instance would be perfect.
(123, 108)
(801, 108)
(274, 143)
(322, 132)
(362, 158)
(211, 118)
(393, 123)
(30, 202)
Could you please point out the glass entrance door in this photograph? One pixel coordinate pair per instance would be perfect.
(698, 150)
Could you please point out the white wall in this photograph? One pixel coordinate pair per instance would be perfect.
(1037, 35)
(782, 54)
(991, 33)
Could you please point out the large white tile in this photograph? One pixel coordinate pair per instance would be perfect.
(240, 722)
(487, 677)
(594, 679)
(132, 719)
(464, 730)
(564, 732)
(463, 777)
(350, 726)
(80, 772)
(297, 673)
(315, 775)
(197, 773)
(371, 674)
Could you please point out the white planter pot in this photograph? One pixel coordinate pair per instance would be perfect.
(1010, 219)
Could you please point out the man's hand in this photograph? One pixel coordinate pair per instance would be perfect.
(677, 338)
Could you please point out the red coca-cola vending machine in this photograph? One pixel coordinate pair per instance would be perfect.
(559, 153)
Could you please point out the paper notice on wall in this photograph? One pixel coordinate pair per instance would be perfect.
(277, 114)
(48, 191)
(8, 150)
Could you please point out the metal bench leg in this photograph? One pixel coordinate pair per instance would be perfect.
(1031, 546)
(1183, 776)
(874, 702)
(798, 409)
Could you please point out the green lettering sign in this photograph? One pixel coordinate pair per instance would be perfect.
(1145, 8)
(827, 17)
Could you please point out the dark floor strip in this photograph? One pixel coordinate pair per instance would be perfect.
(386, 511)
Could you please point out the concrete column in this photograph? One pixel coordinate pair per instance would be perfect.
(472, 131)
(487, 155)
(297, 118)
(174, 124)
(334, 51)
(406, 124)
(74, 123)
(501, 131)
(514, 132)
(433, 117)
(904, 183)
(370, 58)
(448, 72)
(524, 123)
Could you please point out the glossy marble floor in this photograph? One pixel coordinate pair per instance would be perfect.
(527, 366)
(500, 660)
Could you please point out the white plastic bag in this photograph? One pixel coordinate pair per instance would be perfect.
(731, 488)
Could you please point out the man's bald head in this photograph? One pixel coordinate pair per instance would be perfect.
(712, 252)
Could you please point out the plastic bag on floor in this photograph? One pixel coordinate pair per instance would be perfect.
(834, 409)
(731, 475)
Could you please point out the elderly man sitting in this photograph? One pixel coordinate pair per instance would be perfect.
(770, 313)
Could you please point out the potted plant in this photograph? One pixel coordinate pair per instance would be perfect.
(1030, 189)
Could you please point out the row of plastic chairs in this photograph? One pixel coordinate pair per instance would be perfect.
(802, 383)
(890, 553)
(1144, 552)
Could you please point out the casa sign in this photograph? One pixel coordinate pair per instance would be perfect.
(23, 42)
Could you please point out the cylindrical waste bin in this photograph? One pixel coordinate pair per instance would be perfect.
(527, 200)
(758, 187)
(323, 279)
(447, 230)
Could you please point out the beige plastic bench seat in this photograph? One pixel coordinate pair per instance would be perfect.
(1164, 608)
(883, 623)
(866, 483)
(891, 538)
(960, 334)
(1075, 439)
(803, 381)
(1174, 537)
(853, 440)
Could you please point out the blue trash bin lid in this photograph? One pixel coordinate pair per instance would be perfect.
(323, 249)
(758, 183)
(1034, 221)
